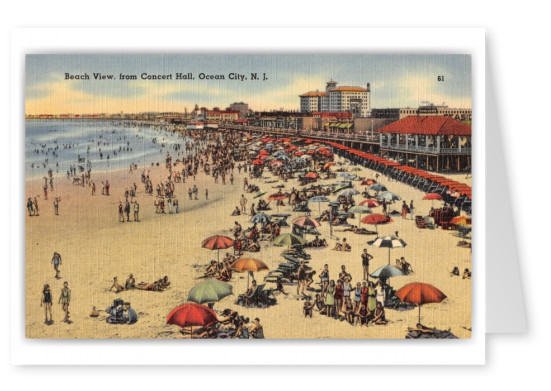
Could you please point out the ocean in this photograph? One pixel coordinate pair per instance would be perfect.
(103, 145)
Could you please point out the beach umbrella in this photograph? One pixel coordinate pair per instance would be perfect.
(312, 175)
(248, 265)
(368, 182)
(349, 192)
(327, 165)
(370, 203)
(459, 220)
(289, 240)
(389, 242)
(385, 272)
(191, 314)
(258, 162)
(261, 218)
(319, 200)
(419, 293)
(346, 175)
(305, 221)
(209, 291)
(377, 187)
(389, 196)
(217, 242)
(360, 210)
(376, 219)
(259, 194)
(277, 197)
(432, 197)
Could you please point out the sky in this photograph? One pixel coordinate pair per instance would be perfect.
(397, 80)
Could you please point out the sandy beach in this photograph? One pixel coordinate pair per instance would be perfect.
(95, 247)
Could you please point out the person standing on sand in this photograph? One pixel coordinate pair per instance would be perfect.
(136, 211)
(175, 204)
(56, 261)
(127, 211)
(366, 257)
(35, 206)
(207, 194)
(411, 208)
(45, 192)
(195, 192)
(56, 205)
(107, 185)
(30, 207)
(65, 299)
(243, 203)
(231, 178)
(121, 213)
(245, 183)
(46, 302)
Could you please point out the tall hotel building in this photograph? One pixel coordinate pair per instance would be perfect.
(338, 99)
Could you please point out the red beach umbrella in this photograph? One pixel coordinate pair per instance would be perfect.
(368, 182)
(312, 175)
(217, 242)
(277, 197)
(432, 197)
(419, 293)
(191, 314)
(376, 219)
(258, 162)
(370, 203)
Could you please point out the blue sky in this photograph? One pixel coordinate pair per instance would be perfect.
(404, 80)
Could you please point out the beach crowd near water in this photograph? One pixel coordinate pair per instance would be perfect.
(237, 235)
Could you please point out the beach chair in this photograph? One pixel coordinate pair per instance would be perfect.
(463, 231)
(246, 300)
(420, 222)
(430, 222)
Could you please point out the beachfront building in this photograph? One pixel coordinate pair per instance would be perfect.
(241, 107)
(459, 114)
(221, 116)
(355, 100)
(433, 143)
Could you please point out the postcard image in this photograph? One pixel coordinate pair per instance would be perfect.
(248, 196)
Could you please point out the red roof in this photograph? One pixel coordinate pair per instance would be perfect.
(314, 93)
(349, 89)
(429, 125)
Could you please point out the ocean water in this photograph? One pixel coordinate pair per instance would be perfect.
(105, 145)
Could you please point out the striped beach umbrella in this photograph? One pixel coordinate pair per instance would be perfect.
(389, 242)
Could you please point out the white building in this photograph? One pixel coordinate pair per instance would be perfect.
(338, 99)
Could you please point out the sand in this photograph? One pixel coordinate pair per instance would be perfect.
(95, 247)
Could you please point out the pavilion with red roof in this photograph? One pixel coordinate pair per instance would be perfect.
(433, 143)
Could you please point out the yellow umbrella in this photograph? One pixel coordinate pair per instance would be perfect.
(248, 265)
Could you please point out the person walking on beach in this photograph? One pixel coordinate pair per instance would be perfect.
(45, 192)
(121, 213)
(231, 178)
(190, 193)
(107, 185)
(169, 202)
(411, 208)
(245, 183)
(56, 261)
(102, 188)
(175, 204)
(56, 205)
(243, 203)
(157, 204)
(46, 302)
(207, 194)
(136, 211)
(65, 299)
(35, 203)
(195, 192)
